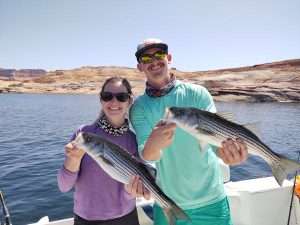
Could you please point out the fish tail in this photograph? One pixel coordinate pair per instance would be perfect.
(283, 168)
(173, 213)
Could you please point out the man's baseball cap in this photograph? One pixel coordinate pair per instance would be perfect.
(148, 44)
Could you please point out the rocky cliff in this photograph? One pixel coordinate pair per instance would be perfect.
(25, 74)
(277, 81)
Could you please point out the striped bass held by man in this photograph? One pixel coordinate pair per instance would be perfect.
(121, 166)
(211, 128)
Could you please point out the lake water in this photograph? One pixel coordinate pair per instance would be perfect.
(35, 128)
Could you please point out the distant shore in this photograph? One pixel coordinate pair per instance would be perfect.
(270, 82)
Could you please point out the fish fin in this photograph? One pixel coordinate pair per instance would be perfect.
(279, 173)
(170, 217)
(173, 213)
(253, 127)
(151, 170)
(227, 115)
(283, 168)
(203, 145)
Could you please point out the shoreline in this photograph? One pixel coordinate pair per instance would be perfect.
(220, 98)
(269, 82)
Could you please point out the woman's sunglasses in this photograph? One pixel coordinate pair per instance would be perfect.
(148, 58)
(108, 96)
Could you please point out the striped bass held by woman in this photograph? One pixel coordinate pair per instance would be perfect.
(121, 166)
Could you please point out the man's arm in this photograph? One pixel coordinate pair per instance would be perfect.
(160, 138)
(151, 141)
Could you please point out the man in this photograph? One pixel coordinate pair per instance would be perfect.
(192, 178)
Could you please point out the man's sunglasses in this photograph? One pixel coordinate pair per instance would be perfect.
(108, 96)
(148, 58)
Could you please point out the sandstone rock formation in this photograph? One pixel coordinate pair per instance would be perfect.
(277, 81)
(25, 74)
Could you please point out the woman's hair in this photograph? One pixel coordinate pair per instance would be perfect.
(124, 81)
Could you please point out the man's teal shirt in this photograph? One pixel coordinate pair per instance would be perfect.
(189, 175)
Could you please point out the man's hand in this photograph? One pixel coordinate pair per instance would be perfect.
(137, 189)
(160, 138)
(233, 152)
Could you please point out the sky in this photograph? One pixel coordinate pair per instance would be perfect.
(201, 34)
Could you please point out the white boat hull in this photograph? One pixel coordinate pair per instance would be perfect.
(258, 201)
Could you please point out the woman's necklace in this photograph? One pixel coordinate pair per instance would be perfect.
(108, 128)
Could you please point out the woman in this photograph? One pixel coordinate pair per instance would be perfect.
(99, 199)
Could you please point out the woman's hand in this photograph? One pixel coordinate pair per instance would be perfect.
(137, 189)
(73, 157)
